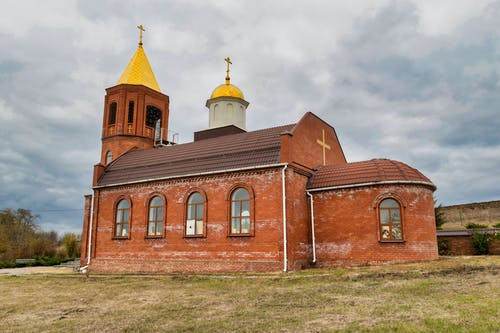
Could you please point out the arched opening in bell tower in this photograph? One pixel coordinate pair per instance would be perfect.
(152, 115)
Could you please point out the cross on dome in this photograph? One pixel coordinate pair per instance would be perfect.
(141, 29)
(228, 62)
(227, 89)
(138, 70)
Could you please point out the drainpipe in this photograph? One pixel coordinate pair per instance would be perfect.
(312, 227)
(285, 257)
(85, 268)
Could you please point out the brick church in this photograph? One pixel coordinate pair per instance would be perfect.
(280, 198)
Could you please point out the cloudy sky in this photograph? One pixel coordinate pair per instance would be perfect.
(416, 81)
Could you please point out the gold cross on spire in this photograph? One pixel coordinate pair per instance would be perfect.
(324, 145)
(228, 62)
(141, 29)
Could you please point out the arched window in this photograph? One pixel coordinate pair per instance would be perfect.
(240, 212)
(122, 219)
(109, 157)
(195, 215)
(112, 114)
(152, 115)
(155, 219)
(130, 118)
(390, 220)
(216, 107)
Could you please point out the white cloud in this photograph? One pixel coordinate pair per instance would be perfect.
(20, 17)
(440, 17)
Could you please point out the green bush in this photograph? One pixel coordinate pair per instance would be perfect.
(48, 261)
(476, 226)
(39, 261)
(443, 247)
(496, 225)
(439, 215)
(7, 264)
(480, 243)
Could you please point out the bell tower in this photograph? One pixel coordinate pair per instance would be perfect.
(132, 109)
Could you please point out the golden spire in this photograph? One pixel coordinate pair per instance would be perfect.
(228, 62)
(138, 70)
(141, 29)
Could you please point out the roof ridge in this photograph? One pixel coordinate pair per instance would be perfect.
(380, 171)
(167, 162)
(216, 138)
(397, 165)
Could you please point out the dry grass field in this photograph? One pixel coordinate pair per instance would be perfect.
(460, 294)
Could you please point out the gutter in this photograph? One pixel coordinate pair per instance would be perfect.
(414, 182)
(312, 227)
(285, 257)
(265, 166)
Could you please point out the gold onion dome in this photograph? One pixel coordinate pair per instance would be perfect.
(138, 70)
(227, 89)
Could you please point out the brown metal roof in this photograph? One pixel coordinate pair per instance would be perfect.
(234, 151)
(372, 171)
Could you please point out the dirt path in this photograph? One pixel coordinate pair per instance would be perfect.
(37, 270)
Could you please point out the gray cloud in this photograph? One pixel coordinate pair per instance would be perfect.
(398, 79)
(430, 101)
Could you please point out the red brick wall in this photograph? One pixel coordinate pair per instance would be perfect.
(459, 245)
(346, 226)
(347, 230)
(141, 96)
(301, 146)
(120, 144)
(298, 221)
(494, 247)
(175, 253)
(462, 245)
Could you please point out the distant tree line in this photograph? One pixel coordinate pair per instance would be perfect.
(22, 238)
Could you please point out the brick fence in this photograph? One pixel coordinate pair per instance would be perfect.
(460, 241)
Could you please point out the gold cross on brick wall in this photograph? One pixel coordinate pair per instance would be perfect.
(323, 144)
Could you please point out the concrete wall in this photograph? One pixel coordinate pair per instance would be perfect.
(458, 216)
